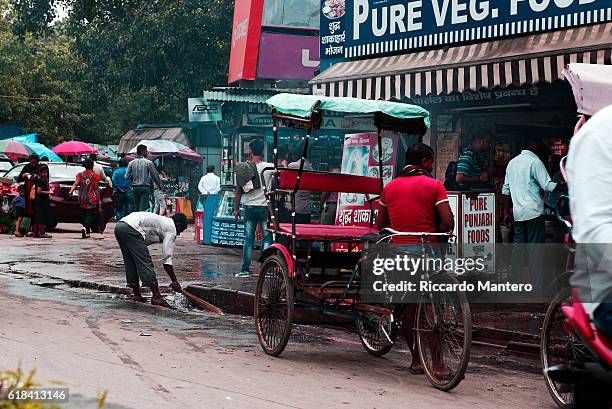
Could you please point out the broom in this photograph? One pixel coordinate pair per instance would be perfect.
(204, 304)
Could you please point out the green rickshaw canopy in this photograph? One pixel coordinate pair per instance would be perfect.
(304, 106)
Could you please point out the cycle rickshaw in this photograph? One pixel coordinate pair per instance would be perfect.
(295, 277)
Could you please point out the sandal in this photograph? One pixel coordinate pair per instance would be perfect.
(416, 370)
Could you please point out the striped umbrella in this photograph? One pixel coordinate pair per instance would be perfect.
(15, 150)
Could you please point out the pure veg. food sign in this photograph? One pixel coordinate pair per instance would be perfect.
(360, 28)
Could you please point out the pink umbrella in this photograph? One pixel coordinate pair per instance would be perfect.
(73, 148)
(15, 150)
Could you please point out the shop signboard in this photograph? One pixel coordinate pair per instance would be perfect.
(478, 227)
(261, 116)
(244, 46)
(362, 28)
(288, 57)
(360, 157)
(201, 110)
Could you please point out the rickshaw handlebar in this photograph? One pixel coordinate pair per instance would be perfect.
(388, 230)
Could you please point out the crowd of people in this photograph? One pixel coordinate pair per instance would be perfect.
(136, 186)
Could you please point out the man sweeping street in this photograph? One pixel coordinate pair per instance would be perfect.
(137, 231)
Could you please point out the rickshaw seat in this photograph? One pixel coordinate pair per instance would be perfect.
(327, 232)
(330, 182)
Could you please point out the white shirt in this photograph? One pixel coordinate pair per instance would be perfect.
(99, 170)
(154, 229)
(589, 173)
(526, 181)
(210, 184)
(257, 197)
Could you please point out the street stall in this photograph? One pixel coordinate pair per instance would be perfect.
(177, 161)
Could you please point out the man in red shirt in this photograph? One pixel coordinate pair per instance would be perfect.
(415, 202)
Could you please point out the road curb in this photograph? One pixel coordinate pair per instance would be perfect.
(242, 303)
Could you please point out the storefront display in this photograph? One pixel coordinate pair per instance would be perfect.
(225, 230)
(499, 70)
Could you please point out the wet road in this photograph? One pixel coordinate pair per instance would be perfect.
(150, 357)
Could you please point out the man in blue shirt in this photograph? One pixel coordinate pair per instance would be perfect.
(122, 191)
(526, 182)
(471, 172)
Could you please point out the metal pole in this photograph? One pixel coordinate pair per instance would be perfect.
(380, 163)
(297, 187)
(275, 152)
(275, 215)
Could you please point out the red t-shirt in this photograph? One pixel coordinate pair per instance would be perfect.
(87, 182)
(411, 204)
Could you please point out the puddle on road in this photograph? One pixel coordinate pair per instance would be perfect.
(214, 271)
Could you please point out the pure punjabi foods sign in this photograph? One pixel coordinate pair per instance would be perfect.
(360, 28)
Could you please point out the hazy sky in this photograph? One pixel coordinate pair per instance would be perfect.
(62, 12)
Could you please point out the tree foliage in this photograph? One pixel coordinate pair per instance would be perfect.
(110, 65)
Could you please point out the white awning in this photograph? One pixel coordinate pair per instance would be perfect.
(515, 61)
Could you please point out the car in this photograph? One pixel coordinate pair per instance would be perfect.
(5, 164)
(65, 208)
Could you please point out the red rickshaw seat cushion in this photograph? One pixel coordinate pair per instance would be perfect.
(318, 231)
(330, 182)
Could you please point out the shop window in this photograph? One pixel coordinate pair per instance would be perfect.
(291, 13)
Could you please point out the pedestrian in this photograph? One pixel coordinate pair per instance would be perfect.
(42, 207)
(250, 187)
(526, 182)
(138, 172)
(416, 202)
(159, 193)
(328, 204)
(122, 191)
(88, 185)
(210, 184)
(303, 214)
(98, 169)
(471, 171)
(589, 172)
(26, 176)
(137, 231)
(19, 206)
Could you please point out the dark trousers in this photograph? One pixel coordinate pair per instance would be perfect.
(142, 198)
(254, 216)
(136, 256)
(89, 219)
(122, 205)
(528, 238)
(300, 218)
(603, 319)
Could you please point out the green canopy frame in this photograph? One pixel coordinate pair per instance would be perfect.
(304, 112)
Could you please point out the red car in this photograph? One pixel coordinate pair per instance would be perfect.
(65, 209)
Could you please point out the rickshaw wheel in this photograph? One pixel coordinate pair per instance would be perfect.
(444, 335)
(274, 305)
(372, 329)
(559, 347)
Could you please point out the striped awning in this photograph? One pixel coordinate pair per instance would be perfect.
(518, 61)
